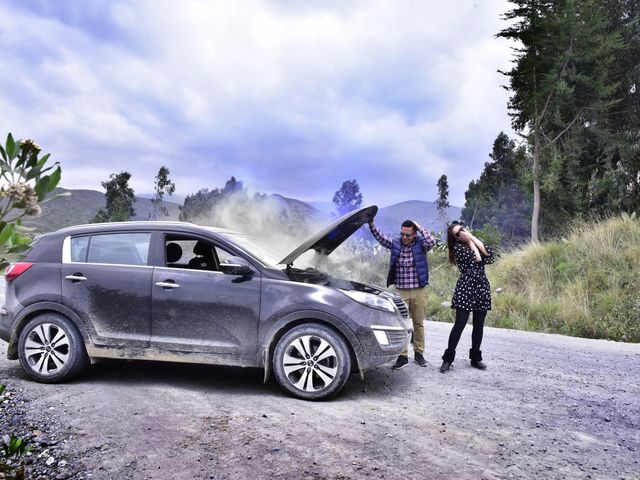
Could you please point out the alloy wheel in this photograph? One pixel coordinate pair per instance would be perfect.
(46, 348)
(310, 363)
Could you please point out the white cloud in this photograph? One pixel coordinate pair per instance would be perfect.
(283, 95)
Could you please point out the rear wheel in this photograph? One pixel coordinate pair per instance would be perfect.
(51, 349)
(312, 362)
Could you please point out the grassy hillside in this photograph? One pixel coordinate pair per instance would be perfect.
(586, 285)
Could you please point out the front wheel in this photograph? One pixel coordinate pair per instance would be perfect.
(51, 349)
(312, 362)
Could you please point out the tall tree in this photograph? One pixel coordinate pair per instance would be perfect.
(442, 202)
(499, 197)
(618, 188)
(200, 206)
(348, 197)
(120, 198)
(232, 186)
(162, 185)
(560, 83)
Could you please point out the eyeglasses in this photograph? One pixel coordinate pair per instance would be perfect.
(407, 235)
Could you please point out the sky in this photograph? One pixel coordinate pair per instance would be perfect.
(290, 97)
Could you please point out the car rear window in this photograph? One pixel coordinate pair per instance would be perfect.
(117, 248)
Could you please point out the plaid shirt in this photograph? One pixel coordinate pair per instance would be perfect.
(406, 274)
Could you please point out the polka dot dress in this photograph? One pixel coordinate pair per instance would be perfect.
(473, 291)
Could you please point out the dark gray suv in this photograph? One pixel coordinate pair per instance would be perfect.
(180, 292)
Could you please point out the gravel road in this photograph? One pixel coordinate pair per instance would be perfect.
(548, 406)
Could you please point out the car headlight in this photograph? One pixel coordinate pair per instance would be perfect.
(370, 300)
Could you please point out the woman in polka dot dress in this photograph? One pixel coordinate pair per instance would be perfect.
(472, 293)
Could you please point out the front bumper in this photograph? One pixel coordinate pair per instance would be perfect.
(382, 343)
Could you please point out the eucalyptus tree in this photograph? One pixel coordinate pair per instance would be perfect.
(348, 197)
(500, 196)
(442, 202)
(561, 88)
(162, 186)
(119, 199)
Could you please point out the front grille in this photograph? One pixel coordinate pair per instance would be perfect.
(402, 307)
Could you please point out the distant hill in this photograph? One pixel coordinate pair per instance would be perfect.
(325, 207)
(298, 209)
(389, 219)
(179, 199)
(81, 206)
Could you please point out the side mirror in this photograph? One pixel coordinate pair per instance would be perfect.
(235, 269)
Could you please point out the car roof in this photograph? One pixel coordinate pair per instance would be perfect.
(46, 247)
(138, 225)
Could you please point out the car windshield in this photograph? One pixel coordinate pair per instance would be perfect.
(269, 258)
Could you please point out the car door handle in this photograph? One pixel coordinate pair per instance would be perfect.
(76, 277)
(167, 284)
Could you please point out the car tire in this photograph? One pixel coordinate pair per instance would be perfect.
(51, 349)
(311, 362)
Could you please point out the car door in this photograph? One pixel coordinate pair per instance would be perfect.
(106, 281)
(197, 307)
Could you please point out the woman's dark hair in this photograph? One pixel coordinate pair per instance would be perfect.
(451, 240)
(409, 224)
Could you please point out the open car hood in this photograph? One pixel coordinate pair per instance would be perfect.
(330, 238)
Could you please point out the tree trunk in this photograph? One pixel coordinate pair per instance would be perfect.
(536, 187)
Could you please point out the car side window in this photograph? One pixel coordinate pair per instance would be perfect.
(79, 249)
(195, 254)
(230, 258)
(119, 248)
(190, 253)
(226, 257)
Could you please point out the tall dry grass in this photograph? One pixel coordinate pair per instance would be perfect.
(587, 284)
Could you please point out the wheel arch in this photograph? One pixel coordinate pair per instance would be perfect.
(280, 328)
(33, 311)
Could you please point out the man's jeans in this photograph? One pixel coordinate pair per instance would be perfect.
(416, 300)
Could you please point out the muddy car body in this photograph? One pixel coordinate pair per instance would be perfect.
(175, 291)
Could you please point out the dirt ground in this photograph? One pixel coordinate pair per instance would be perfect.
(548, 406)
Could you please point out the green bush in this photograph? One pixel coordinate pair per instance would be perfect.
(25, 182)
(489, 235)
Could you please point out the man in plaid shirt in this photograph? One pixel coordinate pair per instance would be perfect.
(409, 272)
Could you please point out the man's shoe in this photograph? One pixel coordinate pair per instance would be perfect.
(478, 364)
(420, 359)
(444, 368)
(401, 362)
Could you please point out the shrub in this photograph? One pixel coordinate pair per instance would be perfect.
(25, 182)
